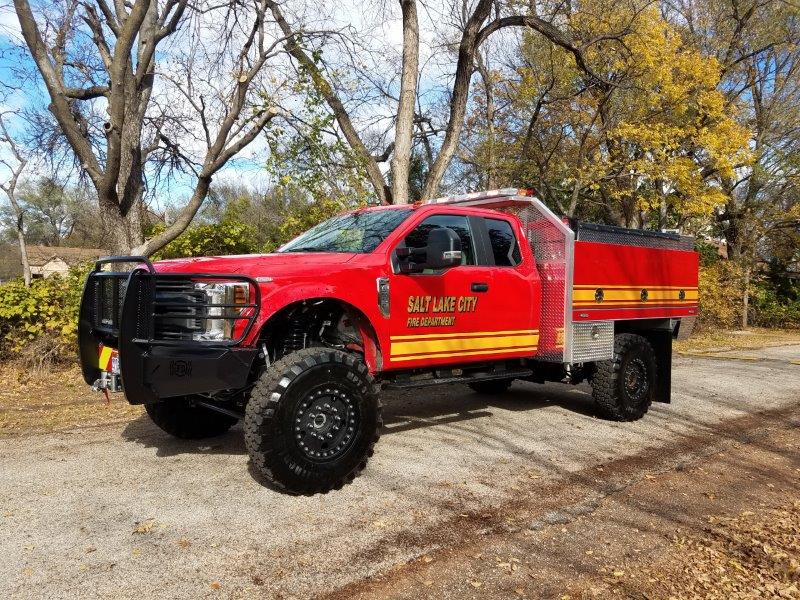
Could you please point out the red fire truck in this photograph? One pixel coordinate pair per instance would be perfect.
(481, 289)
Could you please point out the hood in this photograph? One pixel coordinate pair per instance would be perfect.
(254, 265)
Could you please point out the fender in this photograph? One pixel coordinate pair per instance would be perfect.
(276, 298)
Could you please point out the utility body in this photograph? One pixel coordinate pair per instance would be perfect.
(480, 289)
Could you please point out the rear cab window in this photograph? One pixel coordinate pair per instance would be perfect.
(504, 244)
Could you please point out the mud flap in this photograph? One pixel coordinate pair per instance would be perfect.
(661, 341)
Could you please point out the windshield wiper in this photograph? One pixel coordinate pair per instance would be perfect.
(305, 249)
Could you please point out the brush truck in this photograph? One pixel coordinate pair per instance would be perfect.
(481, 289)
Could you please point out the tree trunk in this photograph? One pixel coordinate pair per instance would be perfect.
(23, 253)
(458, 101)
(124, 231)
(401, 159)
(181, 222)
(746, 298)
(486, 76)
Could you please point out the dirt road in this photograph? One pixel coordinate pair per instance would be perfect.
(125, 511)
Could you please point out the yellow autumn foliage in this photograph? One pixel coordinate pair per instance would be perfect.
(656, 132)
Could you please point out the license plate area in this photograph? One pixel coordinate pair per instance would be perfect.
(108, 359)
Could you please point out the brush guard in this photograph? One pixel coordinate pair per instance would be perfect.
(127, 310)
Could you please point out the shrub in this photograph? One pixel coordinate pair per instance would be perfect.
(48, 309)
(772, 307)
(211, 239)
(773, 303)
(721, 287)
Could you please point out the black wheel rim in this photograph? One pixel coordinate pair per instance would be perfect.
(635, 380)
(326, 422)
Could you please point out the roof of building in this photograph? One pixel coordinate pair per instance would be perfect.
(41, 255)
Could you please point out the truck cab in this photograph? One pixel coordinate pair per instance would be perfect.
(481, 289)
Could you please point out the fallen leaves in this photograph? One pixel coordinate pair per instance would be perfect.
(26, 409)
(145, 526)
(752, 555)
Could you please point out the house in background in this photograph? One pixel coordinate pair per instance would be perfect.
(50, 260)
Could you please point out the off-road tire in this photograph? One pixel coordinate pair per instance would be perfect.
(492, 386)
(278, 424)
(611, 379)
(179, 418)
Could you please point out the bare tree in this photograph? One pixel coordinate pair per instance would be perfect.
(475, 27)
(15, 163)
(112, 70)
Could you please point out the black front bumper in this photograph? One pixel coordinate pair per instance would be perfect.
(120, 310)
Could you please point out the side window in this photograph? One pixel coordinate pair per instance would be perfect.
(419, 236)
(504, 243)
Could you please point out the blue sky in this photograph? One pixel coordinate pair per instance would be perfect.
(380, 34)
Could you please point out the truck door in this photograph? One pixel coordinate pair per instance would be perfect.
(456, 315)
(516, 286)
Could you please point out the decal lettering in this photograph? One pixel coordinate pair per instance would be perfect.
(431, 307)
(430, 321)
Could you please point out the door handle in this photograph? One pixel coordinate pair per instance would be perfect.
(479, 287)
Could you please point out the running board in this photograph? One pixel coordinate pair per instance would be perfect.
(409, 382)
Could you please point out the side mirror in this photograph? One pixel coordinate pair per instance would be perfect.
(442, 251)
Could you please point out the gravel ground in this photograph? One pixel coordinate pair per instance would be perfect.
(125, 511)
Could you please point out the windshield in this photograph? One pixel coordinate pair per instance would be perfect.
(359, 232)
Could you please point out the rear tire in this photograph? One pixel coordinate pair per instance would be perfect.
(179, 418)
(492, 386)
(624, 387)
(312, 421)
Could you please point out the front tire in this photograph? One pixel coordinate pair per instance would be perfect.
(623, 388)
(182, 419)
(312, 421)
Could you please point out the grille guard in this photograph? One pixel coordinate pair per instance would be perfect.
(153, 367)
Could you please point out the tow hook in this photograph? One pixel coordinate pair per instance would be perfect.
(108, 382)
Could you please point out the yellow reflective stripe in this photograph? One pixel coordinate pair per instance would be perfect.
(105, 356)
(470, 353)
(462, 334)
(463, 344)
(613, 295)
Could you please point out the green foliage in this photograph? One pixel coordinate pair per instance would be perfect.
(211, 239)
(309, 154)
(709, 253)
(53, 213)
(775, 302)
(49, 308)
(302, 219)
(238, 221)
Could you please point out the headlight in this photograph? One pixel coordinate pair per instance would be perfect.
(224, 302)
